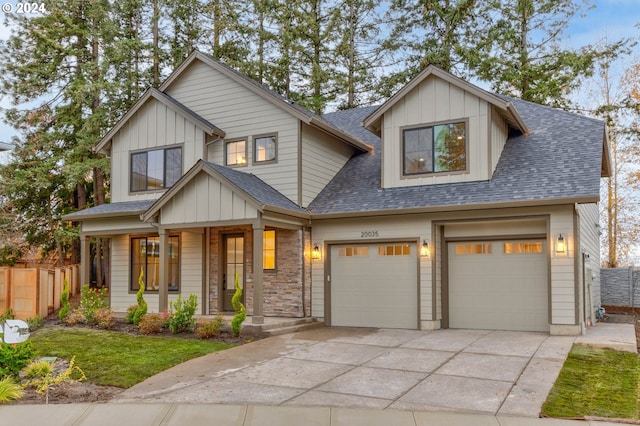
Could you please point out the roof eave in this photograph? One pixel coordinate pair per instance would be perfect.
(353, 142)
(76, 217)
(454, 208)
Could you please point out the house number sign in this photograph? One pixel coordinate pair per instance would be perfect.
(368, 234)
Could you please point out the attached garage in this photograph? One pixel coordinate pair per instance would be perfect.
(374, 285)
(499, 285)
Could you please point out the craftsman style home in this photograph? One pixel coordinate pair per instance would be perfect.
(444, 207)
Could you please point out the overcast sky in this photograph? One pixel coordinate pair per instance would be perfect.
(611, 19)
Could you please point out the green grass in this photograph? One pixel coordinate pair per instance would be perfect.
(596, 382)
(118, 359)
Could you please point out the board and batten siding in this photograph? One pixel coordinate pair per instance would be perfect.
(153, 126)
(436, 101)
(322, 158)
(498, 136)
(204, 200)
(241, 113)
(191, 271)
(590, 244)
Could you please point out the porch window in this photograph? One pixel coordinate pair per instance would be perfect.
(269, 249)
(236, 153)
(155, 169)
(145, 256)
(264, 148)
(434, 149)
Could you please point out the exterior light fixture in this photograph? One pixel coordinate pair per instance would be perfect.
(315, 252)
(424, 250)
(561, 246)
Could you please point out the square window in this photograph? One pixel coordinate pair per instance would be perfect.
(155, 169)
(265, 148)
(236, 153)
(434, 149)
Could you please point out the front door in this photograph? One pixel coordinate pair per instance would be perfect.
(233, 264)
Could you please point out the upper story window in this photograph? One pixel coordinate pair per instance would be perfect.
(155, 169)
(236, 153)
(264, 148)
(434, 149)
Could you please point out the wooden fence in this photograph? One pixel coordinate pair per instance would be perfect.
(35, 291)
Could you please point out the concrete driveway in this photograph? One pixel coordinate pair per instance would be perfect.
(491, 372)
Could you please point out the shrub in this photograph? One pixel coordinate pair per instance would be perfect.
(8, 314)
(65, 306)
(152, 323)
(131, 310)
(14, 357)
(181, 314)
(92, 300)
(37, 369)
(74, 318)
(35, 322)
(10, 390)
(142, 304)
(238, 307)
(44, 378)
(104, 318)
(210, 328)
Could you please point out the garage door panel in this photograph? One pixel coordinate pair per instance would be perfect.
(490, 288)
(374, 290)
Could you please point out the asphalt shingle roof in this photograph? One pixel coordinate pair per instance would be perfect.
(559, 159)
(125, 208)
(255, 187)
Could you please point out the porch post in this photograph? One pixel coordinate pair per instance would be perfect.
(258, 297)
(163, 291)
(85, 259)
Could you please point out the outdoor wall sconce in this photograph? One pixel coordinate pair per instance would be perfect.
(315, 252)
(424, 250)
(561, 246)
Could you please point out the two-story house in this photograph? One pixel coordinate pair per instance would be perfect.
(445, 207)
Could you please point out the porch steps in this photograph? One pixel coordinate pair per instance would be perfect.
(290, 326)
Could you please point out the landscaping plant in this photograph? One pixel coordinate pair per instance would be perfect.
(238, 307)
(104, 318)
(91, 300)
(41, 376)
(65, 306)
(142, 304)
(211, 328)
(152, 323)
(14, 357)
(181, 314)
(10, 390)
(35, 323)
(131, 311)
(8, 314)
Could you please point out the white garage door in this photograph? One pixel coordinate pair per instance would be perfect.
(499, 285)
(374, 285)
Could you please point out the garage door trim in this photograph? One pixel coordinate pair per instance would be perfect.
(327, 269)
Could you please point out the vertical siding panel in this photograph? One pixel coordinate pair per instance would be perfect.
(442, 97)
(226, 205)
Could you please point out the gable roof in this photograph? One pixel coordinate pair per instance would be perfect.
(167, 100)
(559, 162)
(253, 189)
(276, 99)
(509, 112)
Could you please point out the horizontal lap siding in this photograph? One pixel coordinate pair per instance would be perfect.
(563, 277)
(120, 297)
(241, 113)
(191, 267)
(322, 158)
(590, 244)
(153, 126)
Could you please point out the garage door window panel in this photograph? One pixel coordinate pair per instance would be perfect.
(523, 247)
(394, 250)
(472, 249)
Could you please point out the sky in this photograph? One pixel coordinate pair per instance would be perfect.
(610, 19)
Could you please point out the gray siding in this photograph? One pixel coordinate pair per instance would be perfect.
(590, 245)
(322, 158)
(241, 113)
(153, 126)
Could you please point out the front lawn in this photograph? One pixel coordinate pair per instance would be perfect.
(596, 382)
(110, 358)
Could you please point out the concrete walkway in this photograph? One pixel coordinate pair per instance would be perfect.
(340, 376)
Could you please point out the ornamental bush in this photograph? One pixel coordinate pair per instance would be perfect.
(14, 357)
(91, 300)
(142, 304)
(211, 328)
(65, 306)
(10, 390)
(152, 323)
(131, 311)
(238, 307)
(104, 318)
(181, 314)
